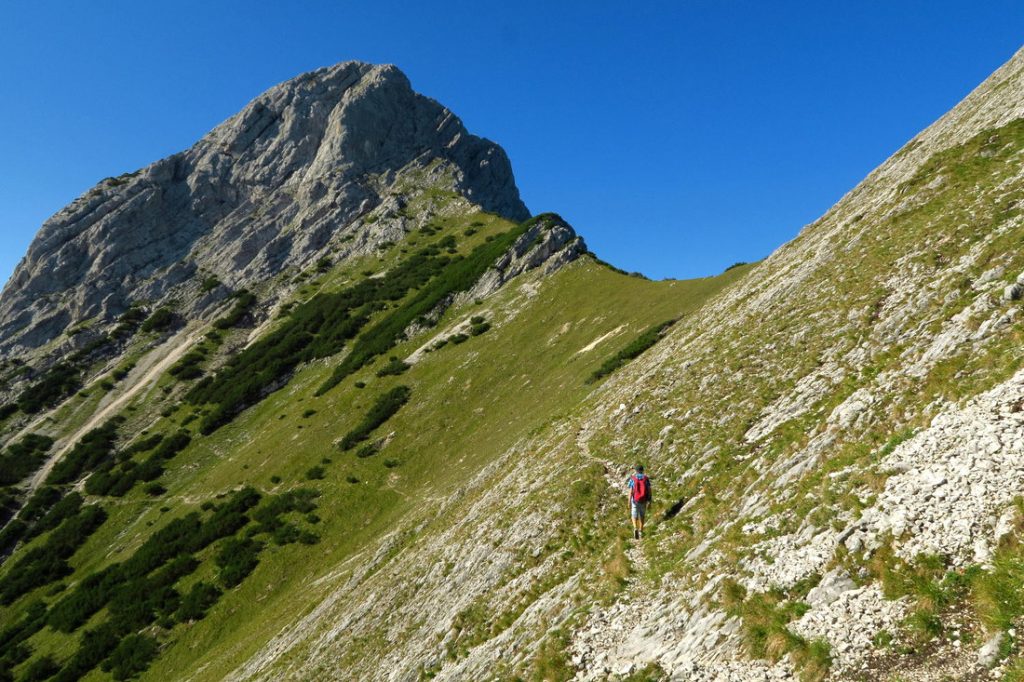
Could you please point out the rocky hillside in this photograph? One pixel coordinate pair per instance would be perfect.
(396, 451)
(296, 176)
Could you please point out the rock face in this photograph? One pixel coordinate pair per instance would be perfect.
(282, 183)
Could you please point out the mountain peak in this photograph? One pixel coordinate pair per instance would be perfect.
(288, 177)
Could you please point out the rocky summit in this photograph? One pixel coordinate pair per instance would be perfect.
(318, 399)
(280, 183)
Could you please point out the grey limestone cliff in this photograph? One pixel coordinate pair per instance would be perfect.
(285, 181)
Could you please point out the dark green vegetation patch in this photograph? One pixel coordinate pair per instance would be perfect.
(386, 406)
(139, 592)
(316, 329)
(459, 276)
(633, 350)
(22, 458)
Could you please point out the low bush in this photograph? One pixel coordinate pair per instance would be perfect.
(316, 329)
(176, 541)
(160, 320)
(94, 448)
(155, 490)
(65, 508)
(131, 656)
(632, 350)
(187, 367)
(22, 458)
(368, 450)
(244, 300)
(116, 482)
(56, 383)
(393, 368)
(43, 668)
(385, 407)
(237, 559)
(197, 602)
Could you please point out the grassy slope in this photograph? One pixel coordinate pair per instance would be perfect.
(959, 208)
(470, 402)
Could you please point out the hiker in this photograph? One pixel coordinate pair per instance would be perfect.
(639, 497)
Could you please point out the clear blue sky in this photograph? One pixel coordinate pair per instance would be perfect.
(677, 137)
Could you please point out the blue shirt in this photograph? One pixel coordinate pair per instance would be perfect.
(632, 480)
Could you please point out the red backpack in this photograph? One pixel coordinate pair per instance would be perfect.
(641, 488)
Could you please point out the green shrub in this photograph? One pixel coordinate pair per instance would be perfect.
(65, 508)
(97, 644)
(393, 368)
(197, 602)
(42, 668)
(161, 320)
(391, 463)
(209, 284)
(368, 450)
(22, 458)
(316, 473)
(385, 407)
(187, 367)
(56, 383)
(108, 480)
(12, 648)
(132, 656)
(121, 372)
(155, 490)
(478, 329)
(308, 413)
(352, 479)
(632, 350)
(458, 338)
(238, 558)
(94, 448)
(135, 596)
(244, 300)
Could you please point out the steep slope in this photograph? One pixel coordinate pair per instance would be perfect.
(183, 478)
(837, 448)
(404, 462)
